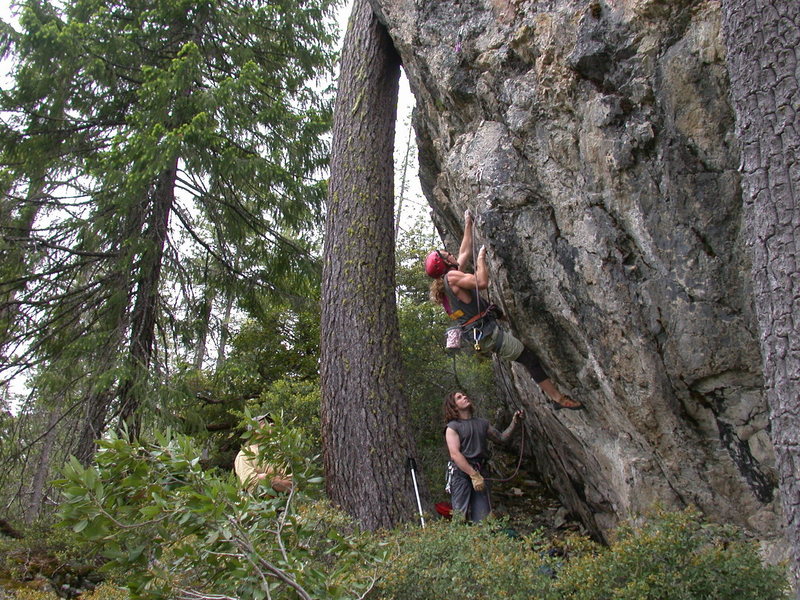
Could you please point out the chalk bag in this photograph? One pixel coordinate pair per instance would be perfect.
(453, 338)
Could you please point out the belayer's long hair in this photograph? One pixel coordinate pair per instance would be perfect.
(449, 408)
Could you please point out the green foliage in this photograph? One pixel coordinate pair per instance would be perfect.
(298, 401)
(451, 560)
(281, 343)
(271, 367)
(672, 556)
(160, 164)
(157, 516)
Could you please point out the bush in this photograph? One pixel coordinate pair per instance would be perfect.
(672, 556)
(104, 591)
(451, 560)
(299, 401)
(177, 530)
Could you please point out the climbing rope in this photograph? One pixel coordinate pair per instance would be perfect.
(476, 336)
(519, 461)
(476, 332)
(455, 372)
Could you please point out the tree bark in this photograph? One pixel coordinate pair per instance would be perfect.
(762, 40)
(224, 330)
(203, 326)
(95, 413)
(365, 421)
(145, 309)
(42, 474)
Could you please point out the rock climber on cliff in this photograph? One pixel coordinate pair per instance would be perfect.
(458, 293)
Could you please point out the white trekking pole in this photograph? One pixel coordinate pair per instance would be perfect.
(412, 466)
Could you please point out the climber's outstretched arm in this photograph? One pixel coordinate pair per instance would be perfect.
(469, 281)
(465, 251)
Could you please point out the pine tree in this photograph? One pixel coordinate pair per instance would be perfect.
(152, 132)
(365, 420)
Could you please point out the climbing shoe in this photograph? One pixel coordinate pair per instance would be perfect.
(565, 401)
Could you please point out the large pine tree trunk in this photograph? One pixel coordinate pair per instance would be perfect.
(365, 425)
(96, 405)
(145, 309)
(762, 41)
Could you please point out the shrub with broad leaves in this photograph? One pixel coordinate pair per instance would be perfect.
(179, 531)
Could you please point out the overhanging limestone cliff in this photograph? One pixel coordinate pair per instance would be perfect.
(595, 141)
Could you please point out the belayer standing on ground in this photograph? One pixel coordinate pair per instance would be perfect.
(466, 437)
(458, 292)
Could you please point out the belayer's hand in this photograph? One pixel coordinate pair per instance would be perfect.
(477, 482)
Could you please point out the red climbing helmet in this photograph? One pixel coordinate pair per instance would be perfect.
(436, 265)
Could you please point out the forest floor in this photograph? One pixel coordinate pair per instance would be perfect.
(526, 502)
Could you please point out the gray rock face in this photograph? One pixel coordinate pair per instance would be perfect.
(596, 144)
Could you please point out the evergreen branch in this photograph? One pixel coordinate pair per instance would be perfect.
(39, 242)
(252, 220)
(49, 332)
(21, 281)
(190, 230)
(49, 300)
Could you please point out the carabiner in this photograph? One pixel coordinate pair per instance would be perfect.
(477, 334)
